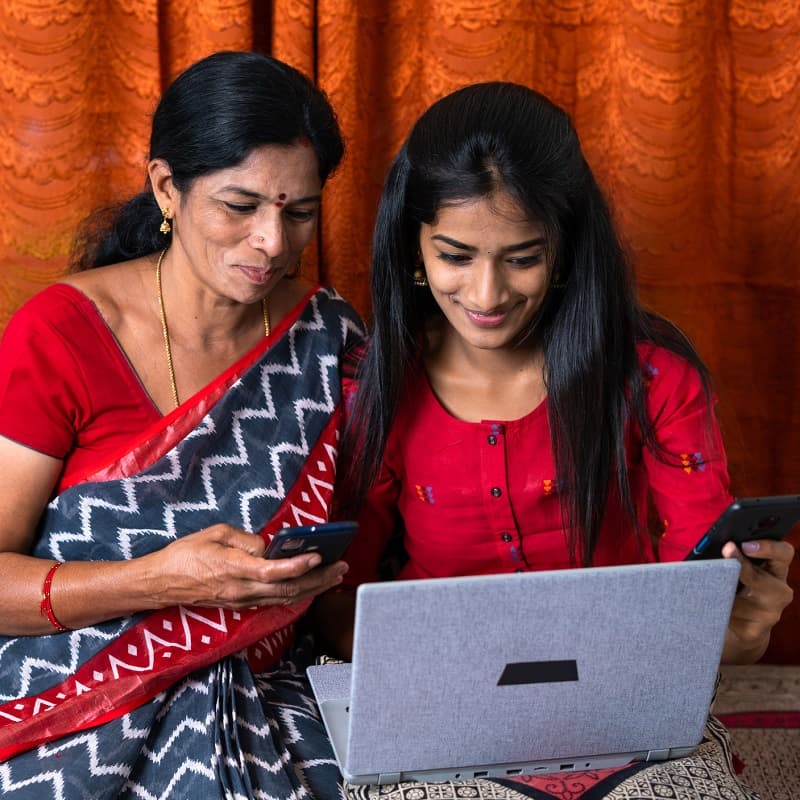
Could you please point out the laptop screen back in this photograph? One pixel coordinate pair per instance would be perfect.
(527, 667)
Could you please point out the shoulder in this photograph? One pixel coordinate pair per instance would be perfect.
(664, 367)
(672, 383)
(337, 315)
(58, 306)
(41, 380)
(118, 291)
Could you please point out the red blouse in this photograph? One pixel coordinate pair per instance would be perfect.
(66, 387)
(483, 497)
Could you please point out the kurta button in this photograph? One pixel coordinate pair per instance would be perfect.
(491, 438)
(496, 491)
(506, 537)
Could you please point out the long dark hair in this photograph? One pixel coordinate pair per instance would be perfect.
(211, 117)
(476, 141)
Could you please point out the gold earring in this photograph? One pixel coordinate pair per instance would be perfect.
(420, 278)
(165, 226)
(294, 271)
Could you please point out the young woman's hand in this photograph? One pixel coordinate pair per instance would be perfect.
(761, 600)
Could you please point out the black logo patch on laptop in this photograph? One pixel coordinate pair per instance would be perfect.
(522, 672)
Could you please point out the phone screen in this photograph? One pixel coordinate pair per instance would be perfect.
(746, 519)
(329, 539)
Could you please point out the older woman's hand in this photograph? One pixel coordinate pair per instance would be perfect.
(224, 566)
(761, 600)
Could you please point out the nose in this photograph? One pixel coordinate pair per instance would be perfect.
(488, 286)
(269, 234)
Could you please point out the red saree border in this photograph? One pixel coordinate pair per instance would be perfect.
(162, 436)
(111, 683)
(171, 643)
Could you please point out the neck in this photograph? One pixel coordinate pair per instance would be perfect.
(446, 351)
(206, 321)
(474, 385)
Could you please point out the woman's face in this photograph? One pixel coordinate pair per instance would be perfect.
(243, 228)
(487, 269)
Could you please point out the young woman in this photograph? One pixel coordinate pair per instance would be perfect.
(518, 406)
(159, 411)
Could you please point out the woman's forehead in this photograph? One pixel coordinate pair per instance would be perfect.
(500, 205)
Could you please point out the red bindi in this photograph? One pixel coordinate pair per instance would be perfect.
(281, 198)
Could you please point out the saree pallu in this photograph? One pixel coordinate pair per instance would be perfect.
(189, 701)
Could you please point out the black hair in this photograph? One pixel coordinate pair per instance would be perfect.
(472, 143)
(211, 117)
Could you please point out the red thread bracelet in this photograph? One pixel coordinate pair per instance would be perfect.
(46, 607)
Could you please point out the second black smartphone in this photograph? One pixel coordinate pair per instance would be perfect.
(749, 518)
(329, 539)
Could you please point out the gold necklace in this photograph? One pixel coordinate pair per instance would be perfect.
(165, 329)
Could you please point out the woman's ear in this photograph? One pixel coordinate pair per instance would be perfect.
(162, 185)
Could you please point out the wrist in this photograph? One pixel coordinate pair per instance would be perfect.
(154, 586)
(46, 603)
(737, 652)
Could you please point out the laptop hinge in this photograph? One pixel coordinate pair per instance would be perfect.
(390, 777)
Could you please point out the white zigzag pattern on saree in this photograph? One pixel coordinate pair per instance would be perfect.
(189, 626)
(301, 515)
(241, 458)
(53, 777)
(155, 643)
(173, 472)
(89, 743)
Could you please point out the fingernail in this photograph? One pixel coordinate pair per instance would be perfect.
(314, 560)
(751, 547)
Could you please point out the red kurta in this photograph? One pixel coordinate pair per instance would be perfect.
(482, 497)
(66, 387)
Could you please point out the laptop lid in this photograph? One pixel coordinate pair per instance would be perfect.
(532, 672)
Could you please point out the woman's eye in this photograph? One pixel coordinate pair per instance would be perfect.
(301, 214)
(453, 258)
(240, 208)
(526, 261)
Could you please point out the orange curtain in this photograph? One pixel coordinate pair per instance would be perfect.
(689, 112)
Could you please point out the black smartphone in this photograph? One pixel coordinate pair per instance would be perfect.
(749, 518)
(329, 539)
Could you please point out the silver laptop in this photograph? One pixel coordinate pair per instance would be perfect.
(503, 675)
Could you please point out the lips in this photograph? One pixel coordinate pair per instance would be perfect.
(259, 275)
(491, 320)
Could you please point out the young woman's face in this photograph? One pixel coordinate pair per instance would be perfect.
(243, 228)
(487, 269)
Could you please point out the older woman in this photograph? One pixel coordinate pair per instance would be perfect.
(163, 410)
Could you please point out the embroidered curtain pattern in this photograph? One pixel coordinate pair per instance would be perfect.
(688, 110)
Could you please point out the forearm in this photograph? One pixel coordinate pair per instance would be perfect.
(82, 593)
(220, 566)
(760, 601)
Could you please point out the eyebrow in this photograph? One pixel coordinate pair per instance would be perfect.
(512, 248)
(258, 196)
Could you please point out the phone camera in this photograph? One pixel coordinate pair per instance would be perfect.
(291, 544)
(768, 522)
